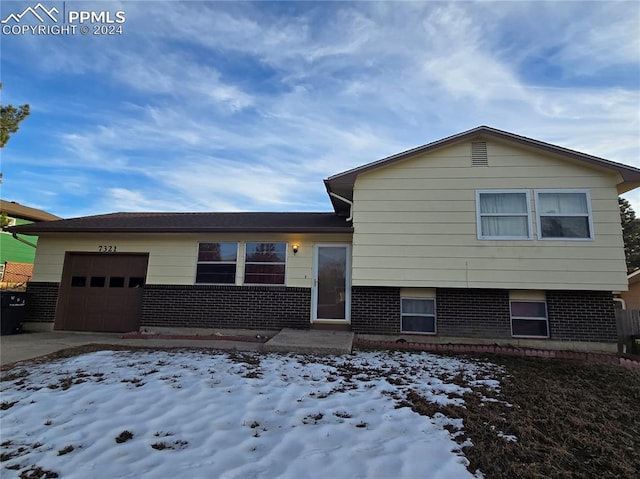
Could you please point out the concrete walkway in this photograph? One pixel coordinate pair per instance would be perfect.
(314, 341)
(22, 347)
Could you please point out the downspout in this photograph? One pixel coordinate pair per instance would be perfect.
(349, 202)
(22, 240)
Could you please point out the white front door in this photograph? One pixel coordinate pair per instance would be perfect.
(332, 283)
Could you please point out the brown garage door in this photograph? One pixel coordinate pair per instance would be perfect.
(101, 292)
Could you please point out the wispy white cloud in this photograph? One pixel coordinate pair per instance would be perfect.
(232, 106)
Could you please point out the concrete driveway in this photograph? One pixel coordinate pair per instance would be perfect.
(22, 347)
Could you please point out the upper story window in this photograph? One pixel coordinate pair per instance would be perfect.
(217, 263)
(265, 263)
(503, 214)
(564, 214)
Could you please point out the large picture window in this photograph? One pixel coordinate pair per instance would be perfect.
(217, 263)
(503, 214)
(265, 263)
(418, 315)
(564, 214)
(529, 319)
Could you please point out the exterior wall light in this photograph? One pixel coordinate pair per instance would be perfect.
(295, 247)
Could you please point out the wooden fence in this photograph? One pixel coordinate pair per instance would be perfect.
(628, 321)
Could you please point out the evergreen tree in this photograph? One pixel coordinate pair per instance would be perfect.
(10, 118)
(630, 235)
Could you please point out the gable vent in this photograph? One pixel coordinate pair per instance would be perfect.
(479, 154)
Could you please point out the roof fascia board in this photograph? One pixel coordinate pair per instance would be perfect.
(24, 229)
(628, 173)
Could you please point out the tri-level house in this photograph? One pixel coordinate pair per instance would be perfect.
(481, 237)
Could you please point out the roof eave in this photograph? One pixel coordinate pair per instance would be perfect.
(310, 230)
(629, 174)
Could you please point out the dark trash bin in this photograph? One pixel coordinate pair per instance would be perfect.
(14, 304)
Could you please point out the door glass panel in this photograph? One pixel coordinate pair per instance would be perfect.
(136, 282)
(97, 282)
(78, 281)
(332, 282)
(116, 282)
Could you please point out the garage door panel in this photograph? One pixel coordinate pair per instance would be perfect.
(101, 292)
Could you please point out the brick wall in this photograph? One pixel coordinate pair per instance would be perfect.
(469, 313)
(484, 313)
(473, 313)
(375, 310)
(582, 316)
(209, 306)
(41, 302)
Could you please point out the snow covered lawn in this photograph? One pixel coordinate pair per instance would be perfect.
(203, 414)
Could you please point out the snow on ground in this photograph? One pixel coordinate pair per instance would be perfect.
(203, 414)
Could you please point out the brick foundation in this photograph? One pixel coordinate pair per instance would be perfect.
(484, 314)
(235, 307)
(41, 302)
(473, 313)
(577, 316)
(582, 316)
(375, 310)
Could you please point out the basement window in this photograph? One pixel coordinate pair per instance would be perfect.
(529, 319)
(418, 315)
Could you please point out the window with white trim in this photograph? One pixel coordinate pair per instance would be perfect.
(564, 214)
(503, 214)
(529, 319)
(418, 315)
(217, 263)
(265, 263)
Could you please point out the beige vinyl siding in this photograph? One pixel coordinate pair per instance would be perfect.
(173, 257)
(415, 224)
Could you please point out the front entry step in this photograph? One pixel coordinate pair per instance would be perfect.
(331, 326)
(311, 341)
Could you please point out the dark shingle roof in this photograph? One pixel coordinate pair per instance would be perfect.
(194, 223)
(25, 212)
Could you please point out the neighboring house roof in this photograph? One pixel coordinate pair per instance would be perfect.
(634, 277)
(194, 223)
(342, 183)
(17, 210)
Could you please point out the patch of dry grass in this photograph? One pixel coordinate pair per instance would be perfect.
(571, 420)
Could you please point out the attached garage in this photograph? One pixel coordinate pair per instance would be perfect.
(101, 292)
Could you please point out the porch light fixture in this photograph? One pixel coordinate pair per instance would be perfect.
(295, 247)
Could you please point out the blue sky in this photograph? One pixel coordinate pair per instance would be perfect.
(221, 106)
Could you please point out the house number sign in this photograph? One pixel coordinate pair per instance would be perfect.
(106, 249)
